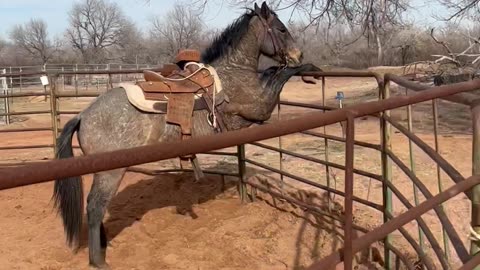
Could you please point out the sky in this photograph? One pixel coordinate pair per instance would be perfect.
(218, 14)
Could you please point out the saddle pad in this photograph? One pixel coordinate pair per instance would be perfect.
(137, 98)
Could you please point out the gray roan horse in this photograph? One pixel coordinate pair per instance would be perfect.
(112, 123)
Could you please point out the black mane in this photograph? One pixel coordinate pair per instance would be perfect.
(228, 39)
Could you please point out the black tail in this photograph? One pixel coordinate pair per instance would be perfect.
(68, 192)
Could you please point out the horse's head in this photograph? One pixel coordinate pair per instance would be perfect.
(275, 39)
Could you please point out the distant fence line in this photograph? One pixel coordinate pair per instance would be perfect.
(73, 67)
(24, 81)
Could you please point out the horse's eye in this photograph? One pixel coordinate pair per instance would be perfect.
(283, 30)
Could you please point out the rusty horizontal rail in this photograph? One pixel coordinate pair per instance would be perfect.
(390, 226)
(25, 113)
(37, 173)
(314, 184)
(162, 171)
(68, 112)
(319, 161)
(12, 130)
(474, 262)
(340, 139)
(25, 94)
(20, 147)
(464, 98)
(306, 105)
(79, 72)
(377, 76)
(81, 94)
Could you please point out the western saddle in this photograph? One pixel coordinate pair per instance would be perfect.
(184, 87)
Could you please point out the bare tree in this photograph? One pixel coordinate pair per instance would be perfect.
(95, 27)
(32, 37)
(181, 28)
(374, 18)
(132, 46)
(461, 9)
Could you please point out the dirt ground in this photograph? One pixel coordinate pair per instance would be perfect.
(169, 222)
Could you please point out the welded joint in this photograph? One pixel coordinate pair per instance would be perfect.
(351, 114)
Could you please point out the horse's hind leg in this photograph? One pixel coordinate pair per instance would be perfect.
(104, 187)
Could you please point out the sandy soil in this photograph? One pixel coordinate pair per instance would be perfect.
(169, 222)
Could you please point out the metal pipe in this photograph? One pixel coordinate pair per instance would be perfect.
(11, 130)
(464, 98)
(36, 173)
(472, 263)
(424, 258)
(24, 94)
(348, 202)
(393, 224)
(428, 233)
(324, 213)
(319, 161)
(475, 209)
(327, 168)
(456, 240)
(412, 167)
(315, 184)
(242, 170)
(280, 153)
(21, 147)
(386, 167)
(447, 167)
(25, 113)
(439, 175)
(162, 171)
(53, 107)
(307, 106)
(340, 139)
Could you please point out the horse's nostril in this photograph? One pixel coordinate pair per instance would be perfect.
(301, 57)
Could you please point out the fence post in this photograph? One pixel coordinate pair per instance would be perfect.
(327, 159)
(386, 168)
(439, 175)
(413, 169)
(63, 78)
(21, 80)
(242, 168)
(6, 103)
(76, 80)
(53, 107)
(475, 214)
(348, 204)
(280, 145)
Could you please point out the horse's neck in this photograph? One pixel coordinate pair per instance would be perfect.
(240, 65)
(249, 102)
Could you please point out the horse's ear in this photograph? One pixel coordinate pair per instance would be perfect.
(256, 8)
(265, 10)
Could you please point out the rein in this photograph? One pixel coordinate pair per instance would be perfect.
(268, 31)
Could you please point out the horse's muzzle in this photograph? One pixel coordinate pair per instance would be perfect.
(295, 57)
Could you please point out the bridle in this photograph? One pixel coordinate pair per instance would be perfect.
(268, 31)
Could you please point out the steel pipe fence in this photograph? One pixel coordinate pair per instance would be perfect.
(36, 173)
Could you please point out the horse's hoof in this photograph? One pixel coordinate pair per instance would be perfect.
(199, 180)
(103, 266)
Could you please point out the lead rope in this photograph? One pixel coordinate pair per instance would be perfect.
(213, 107)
